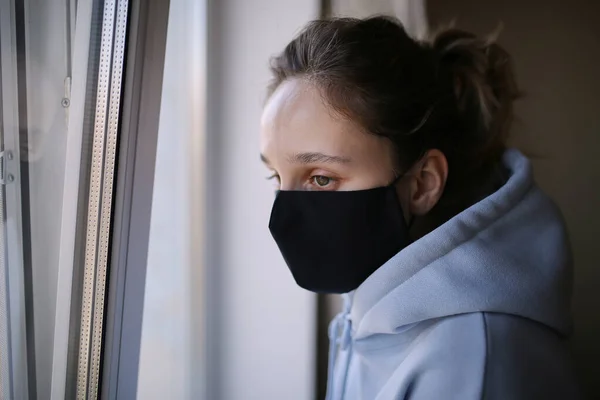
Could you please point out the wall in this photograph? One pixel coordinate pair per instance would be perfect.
(262, 325)
(166, 343)
(259, 325)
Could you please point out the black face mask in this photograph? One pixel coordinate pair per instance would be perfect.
(333, 241)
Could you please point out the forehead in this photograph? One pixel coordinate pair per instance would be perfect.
(296, 119)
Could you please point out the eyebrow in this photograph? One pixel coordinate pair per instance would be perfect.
(312, 157)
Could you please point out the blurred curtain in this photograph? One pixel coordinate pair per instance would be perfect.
(410, 12)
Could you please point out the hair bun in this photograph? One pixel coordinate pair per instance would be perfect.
(482, 76)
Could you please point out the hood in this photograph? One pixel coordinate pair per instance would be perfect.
(507, 254)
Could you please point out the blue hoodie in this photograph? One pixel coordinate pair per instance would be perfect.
(476, 309)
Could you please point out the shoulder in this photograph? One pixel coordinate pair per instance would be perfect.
(526, 359)
(488, 356)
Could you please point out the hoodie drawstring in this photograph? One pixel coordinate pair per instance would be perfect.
(342, 342)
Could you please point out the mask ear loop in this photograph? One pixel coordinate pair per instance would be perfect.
(411, 218)
(397, 178)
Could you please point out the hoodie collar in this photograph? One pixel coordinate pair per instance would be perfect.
(507, 253)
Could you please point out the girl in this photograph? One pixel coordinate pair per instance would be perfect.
(396, 188)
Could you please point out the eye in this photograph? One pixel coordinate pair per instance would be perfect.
(321, 181)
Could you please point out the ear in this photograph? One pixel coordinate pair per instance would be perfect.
(428, 182)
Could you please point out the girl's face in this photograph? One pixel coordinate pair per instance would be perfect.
(306, 146)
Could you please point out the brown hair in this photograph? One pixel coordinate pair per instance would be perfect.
(452, 91)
